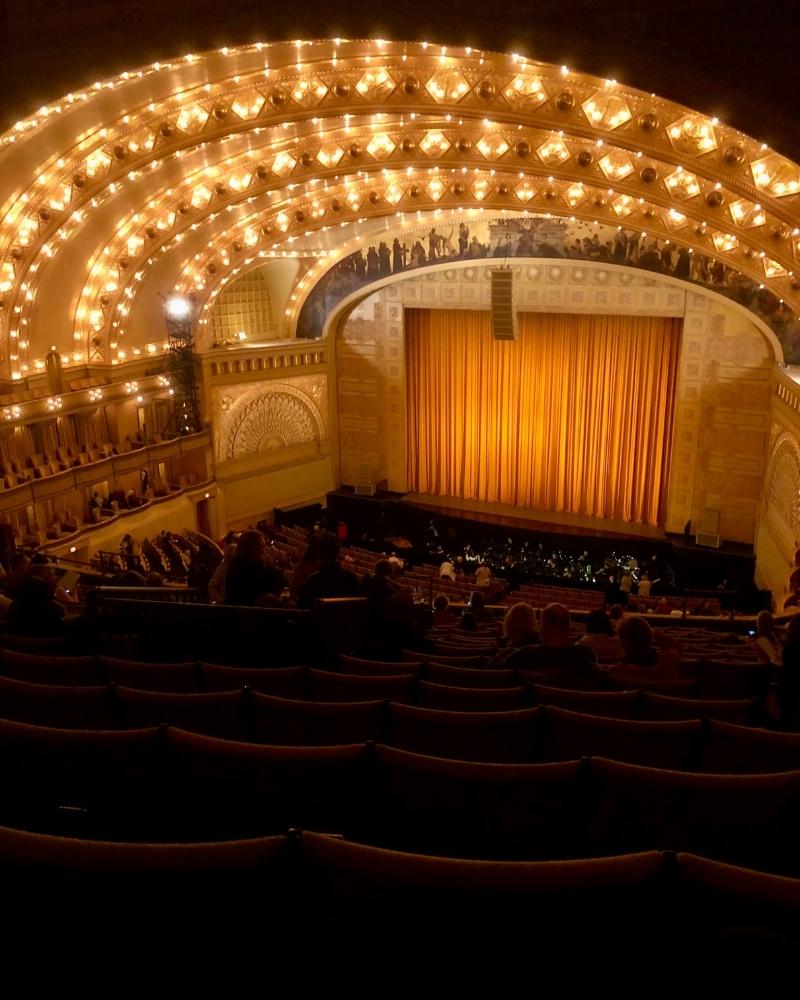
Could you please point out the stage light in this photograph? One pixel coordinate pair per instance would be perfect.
(177, 307)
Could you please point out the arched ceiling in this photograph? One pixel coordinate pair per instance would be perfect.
(180, 174)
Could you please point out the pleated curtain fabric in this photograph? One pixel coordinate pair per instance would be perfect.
(575, 415)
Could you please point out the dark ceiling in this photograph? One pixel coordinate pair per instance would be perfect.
(737, 59)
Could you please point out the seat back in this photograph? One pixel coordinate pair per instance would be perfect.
(471, 699)
(287, 682)
(44, 669)
(505, 737)
(79, 707)
(443, 673)
(324, 685)
(612, 704)
(285, 722)
(212, 714)
(567, 735)
(170, 677)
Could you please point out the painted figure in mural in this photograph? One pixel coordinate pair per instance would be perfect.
(373, 264)
(360, 265)
(463, 239)
(448, 250)
(384, 260)
(434, 244)
(397, 256)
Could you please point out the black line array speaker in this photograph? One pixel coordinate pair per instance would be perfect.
(504, 317)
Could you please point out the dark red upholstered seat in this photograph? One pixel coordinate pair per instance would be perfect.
(612, 704)
(505, 737)
(567, 735)
(471, 699)
(44, 669)
(325, 685)
(173, 677)
(287, 682)
(286, 722)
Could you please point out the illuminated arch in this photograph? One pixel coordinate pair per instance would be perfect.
(107, 196)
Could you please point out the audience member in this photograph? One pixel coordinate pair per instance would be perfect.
(330, 580)
(35, 610)
(477, 608)
(483, 576)
(767, 643)
(216, 585)
(307, 566)
(601, 636)
(441, 616)
(641, 659)
(556, 653)
(250, 573)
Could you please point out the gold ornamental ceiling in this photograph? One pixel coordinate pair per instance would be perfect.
(179, 175)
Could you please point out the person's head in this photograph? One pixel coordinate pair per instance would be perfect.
(154, 579)
(20, 563)
(615, 614)
(383, 568)
(636, 637)
(252, 547)
(764, 622)
(519, 622)
(477, 601)
(598, 623)
(328, 549)
(44, 573)
(555, 625)
(441, 602)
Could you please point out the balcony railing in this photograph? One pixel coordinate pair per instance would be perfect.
(37, 490)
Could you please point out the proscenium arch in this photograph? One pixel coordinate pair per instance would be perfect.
(337, 317)
(82, 168)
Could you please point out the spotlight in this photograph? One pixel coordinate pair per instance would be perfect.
(178, 308)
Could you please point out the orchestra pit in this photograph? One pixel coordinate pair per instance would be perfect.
(400, 487)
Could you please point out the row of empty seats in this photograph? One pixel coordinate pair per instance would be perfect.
(297, 896)
(170, 784)
(539, 733)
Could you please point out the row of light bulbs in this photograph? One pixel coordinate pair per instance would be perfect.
(604, 108)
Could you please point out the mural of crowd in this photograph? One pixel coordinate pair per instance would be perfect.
(539, 236)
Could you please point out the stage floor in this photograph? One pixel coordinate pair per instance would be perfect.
(532, 520)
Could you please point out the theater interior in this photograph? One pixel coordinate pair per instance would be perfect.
(400, 482)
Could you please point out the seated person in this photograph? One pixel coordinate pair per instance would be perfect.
(477, 608)
(641, 660)
(519, 630)
(35, 610)
(330, 580)
(556, 653)
(441, 616)
(767, 642)
(601, 637)
(250, 573)
(483, 576)
(216, 585)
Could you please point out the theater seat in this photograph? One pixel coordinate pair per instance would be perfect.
(732, 913)
(503, 737)
(470, 699)
(443, 673)
(44, 669)
(379, 668)
(285, 722)
(612, 704)
(224, 789)
(568, 735)
(663, 707)
(218, 714)
(450, 807)
(80, 707)
(172, 677)
(752, 820)
(374, 896)
(732, 749)
(324, 685)
(288, 682)
(89, 783)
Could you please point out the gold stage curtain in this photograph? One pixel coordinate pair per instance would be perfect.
(574, 415)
